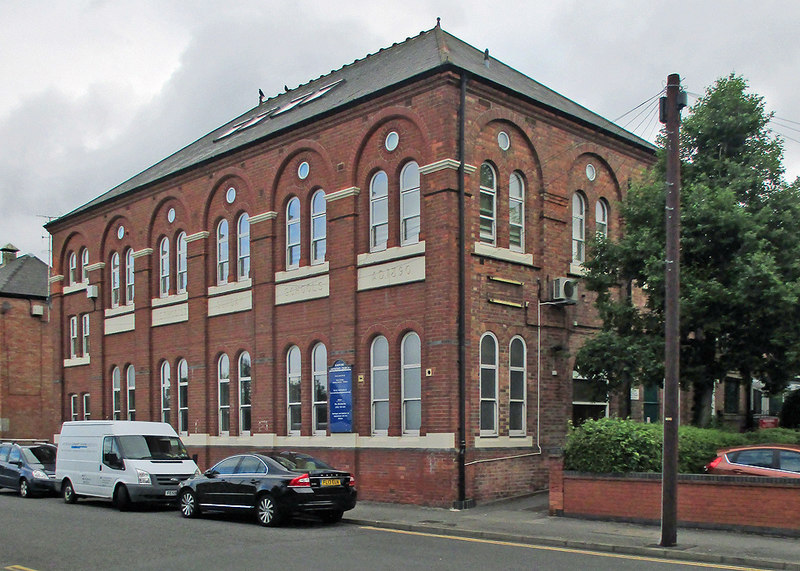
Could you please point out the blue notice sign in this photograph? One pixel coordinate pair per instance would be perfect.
(340, 391)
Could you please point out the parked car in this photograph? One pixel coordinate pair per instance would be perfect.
(28, 468)
(274, 486)
(774, 460)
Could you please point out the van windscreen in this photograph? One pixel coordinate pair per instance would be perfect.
(135, 447)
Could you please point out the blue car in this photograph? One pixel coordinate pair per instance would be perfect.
(29, 469)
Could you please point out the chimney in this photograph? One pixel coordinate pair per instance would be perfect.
(8, 253)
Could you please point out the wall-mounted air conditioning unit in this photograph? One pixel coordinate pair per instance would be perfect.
(91, 291)
(565, 290)
(37, 310)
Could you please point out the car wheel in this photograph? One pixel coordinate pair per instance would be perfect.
(188, 504)
(24, 490)
(332, 516)
(267, 511)
(121, 498)
(70, 497)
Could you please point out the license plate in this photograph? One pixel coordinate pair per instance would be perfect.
(330, 482)
(171, 493)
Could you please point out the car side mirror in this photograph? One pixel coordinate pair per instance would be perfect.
(210, 473)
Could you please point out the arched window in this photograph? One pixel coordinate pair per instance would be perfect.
(130, 375)
(318, 227)
(114, 279)
(85, 266)
(163, 264)
(578, 228)
(222, 252)
(224, 385)
(319, 379)
(409, 204)
(488, 385)
(412, 383)
(245, 400)
(73, 268)
(183, 396)
(517, 389)
(293, 233)
(516, 213)
(293, 364)
(116, 392)
(379, 374)
(181, 264)
(378, 211)
(243, 247)
(488, 214)
(129, 273)
(601, 218)
(165, 392)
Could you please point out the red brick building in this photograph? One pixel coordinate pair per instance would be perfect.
(420, 215)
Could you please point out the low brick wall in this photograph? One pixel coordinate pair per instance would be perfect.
(717, 502)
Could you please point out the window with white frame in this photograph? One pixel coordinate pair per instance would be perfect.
(378, 211)
(318, 227)
(601, 218)
(73, 336)
(379, 375)
(293, 233)
(319, 380)
(87, 411)
(245, 394)
(222, 252)
(578, 228)
(411, 353)
(516, 212)
(163, 265)
(224, 394)
(85, 265)
(488, 385)
(131, 383)
(116, 392)
(517, 387)
(129, 273)
(243, 247)
(165, 392)
(409, 204)
(293, 375)
(488, 204)
(183, 396)
(73, 406)
(85, 333)
(114, 279)
(181, 264)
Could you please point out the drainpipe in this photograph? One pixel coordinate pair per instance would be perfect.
(461, 503)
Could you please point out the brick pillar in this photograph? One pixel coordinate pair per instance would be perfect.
(143, 291)
(202, 399)
(556, 465)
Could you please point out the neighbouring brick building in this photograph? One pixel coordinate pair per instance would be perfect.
(29, 392)
(217, 288)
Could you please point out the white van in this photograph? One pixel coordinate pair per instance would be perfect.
(123, 460)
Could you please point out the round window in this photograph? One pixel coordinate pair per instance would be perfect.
(503, 140)
(392, 140)
(230, 196)
(121, 232)
(171, 215)
(303, 170)
(591, 173)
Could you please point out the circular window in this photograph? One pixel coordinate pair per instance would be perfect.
(230, 196)
(120, 232)
(303, 170)
(171, 215)
(503, 140)
(392, 140)
(590, 172)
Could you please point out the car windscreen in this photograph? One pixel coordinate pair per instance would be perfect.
(44, 455)
(299, 462)
(136, 447)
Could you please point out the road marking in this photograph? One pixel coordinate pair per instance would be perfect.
(18, 568)
(567, 550)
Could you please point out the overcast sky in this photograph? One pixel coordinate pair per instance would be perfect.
(94, 91)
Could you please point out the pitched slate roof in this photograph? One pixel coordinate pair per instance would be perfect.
(26, 276)
(429, 52)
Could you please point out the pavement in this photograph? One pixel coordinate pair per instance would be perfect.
(526, 520)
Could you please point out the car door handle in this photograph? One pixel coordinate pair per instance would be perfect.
(254, 481)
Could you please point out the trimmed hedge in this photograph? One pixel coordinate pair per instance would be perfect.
(612, 445)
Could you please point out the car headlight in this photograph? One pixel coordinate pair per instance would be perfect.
(39, 475)
(144, 477)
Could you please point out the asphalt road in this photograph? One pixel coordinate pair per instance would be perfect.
(44, 533)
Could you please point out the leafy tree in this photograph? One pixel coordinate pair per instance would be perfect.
(740, 260)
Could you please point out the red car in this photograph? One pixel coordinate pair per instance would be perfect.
(773, 460)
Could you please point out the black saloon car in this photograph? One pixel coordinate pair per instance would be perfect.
(28, 468)
(275, 486)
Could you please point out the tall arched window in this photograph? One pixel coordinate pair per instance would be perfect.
(243, 247)
(85, 266)
(222, 252)
(517, 389)
(319, 380)
(245, 400)
(165, 392)
(516, 213)
(130, 375)
(411, 383)
(181, 264)
(601, 218)
(293, 233)
(183, 396)
(409, 204)
(488, 385)
(224, 394)
(163, 264)
(488, 207)
(578, 228)
(294, 410)
(129, 273)
(73, 268)
(318, 227)
(379, 374)
(378, 211)
(114, 279)
(116, 392)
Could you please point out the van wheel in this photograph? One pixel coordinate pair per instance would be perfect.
(121, 498)
(188, 504)
(267, 511)
(24, 490)
(70, 497)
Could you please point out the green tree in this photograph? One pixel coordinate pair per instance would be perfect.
(740, 260)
